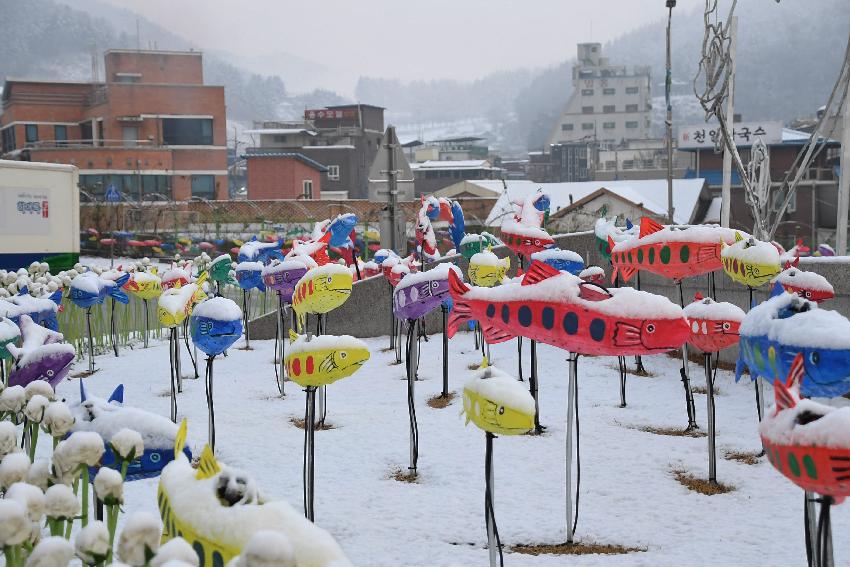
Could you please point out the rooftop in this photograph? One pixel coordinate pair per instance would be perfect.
(434, 165)
(293, 155)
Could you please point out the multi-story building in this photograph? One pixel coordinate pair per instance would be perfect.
(609, 103)
(151, 130)
(345, 139)
(431, 176)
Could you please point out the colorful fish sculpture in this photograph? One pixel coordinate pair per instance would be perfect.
(249, 275)
(604, 228)
(749, 261)
(525, 240)
(675, 252)
(9, 335)
(322, 289)
(714, 325)
(497, 402)
(561, 260)
(263, 252)
(144, 285)
(593, 274)
(220, 270)
(40, 309)
(472, 244)
(340, 230)
(775, 331)
(176, 303)
(215, 324)
(808, 285)
(41, 356)
(805, 440)
(282, 276)
(314, 250)
(419, 293)
(487, 270)
(174, 277)
(89, 289)
(561, 310)
(324, 359)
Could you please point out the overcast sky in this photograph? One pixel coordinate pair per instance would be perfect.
(397, 38)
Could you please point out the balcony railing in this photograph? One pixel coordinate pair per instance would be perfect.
(90, 144)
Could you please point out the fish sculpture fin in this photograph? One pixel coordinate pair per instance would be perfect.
(698, 296)
(795, 373)
(56, 296)
(495, 335)
(611, 244)
(626, 334)
(628, 272)
(208, 466)
(587, 292)
(738, 237)
(117, 394)
(614, 272)
(326, 237)
(24, 291)
(120, 281)
(118, 295)
(484, 363)
(202, 278)
(83, 396)
(538, 272)
(706, 252)
(739, 369)
(629, 224)
(649, 226)
(180, 438)
(784, 398)
(293, 336)
(777, 290)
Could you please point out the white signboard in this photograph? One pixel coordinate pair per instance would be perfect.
(25, 211)
(745, 133)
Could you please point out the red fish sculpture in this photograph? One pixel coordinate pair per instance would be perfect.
(561, 310)
(714, 325)
(809, 285)
(673, 252)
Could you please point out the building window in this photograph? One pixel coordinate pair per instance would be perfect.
(587, 110)
(609, 125)
(792, 204)
(279, 138)
(566, 127)
(31, 133)
(632, 124)
(609, 91)
(587, 126)
(610, 164)
(130, 136)
(126, 79)
(8, 139)
(632, 90)
(307, 192)
(60, 134)
(333, 172)
(631, 108)
(586, 92)
(608, 108)
(187, 131)
(86, 132)
(203, 186)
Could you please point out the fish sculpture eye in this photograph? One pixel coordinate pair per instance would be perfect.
(814, 357)
(501, 410)
(343, 354)
(650, 328)
(727, 326)
(330, 278)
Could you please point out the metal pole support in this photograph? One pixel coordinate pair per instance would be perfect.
(572, 392)
(712, 450)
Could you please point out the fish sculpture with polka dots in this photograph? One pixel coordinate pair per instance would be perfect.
(714, 324)
(559, 309)
(322, 360)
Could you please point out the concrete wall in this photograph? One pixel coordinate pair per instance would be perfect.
(368, 311)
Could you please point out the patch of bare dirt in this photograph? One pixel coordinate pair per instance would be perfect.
(701, 485)
(575, 548)
(440, 401)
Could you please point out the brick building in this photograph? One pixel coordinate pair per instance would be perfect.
(283, 175)
(151, 130)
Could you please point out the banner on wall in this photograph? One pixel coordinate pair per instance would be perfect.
(24, 210)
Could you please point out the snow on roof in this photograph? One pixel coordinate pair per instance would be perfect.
(712, 215)
(652, 193)
(454, 164)
(280, 131)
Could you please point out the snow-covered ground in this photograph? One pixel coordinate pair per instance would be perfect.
(629, 495)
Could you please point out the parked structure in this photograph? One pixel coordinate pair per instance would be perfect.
(151, 130)
(609, 103)
(283, 175)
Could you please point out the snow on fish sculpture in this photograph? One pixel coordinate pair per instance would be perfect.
(497, 402)
(217, 509)
(106, 417)
(249, 275)
(282, 276)
(561, 310)
(605, 229)
(807, 441)
(749, 261)
(9, 335)
(40, 309)
(714, 325)
(144, 285)
(524, 233)
(808, 285)
(174, 277)
(775, 331)
(176, 303)
(322, 289)
(41, 356)
(314, 250)
(324, 359)
(220, 270)
(88, 289)
(420, 293)
(672, 252)
(215, 324)
(561, 260)
(263, 252)
(472, 244)
(487, 270)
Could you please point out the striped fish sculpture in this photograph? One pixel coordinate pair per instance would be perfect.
(497, 402)
(282, 276)
(144, 285)
(793, 436)
(322, 289)
(808, 285)
(749, 261)
(41, 356)
(176, 303)
(419, 293)
(487, 270)
(233, 512)
(714, 325)
(561, 310)
(324, 359)
(774, 332)
(672, 252)
(89, 289)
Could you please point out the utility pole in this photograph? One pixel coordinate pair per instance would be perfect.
(726, 191)
(392, 186)
(843, 186)
(668, 83)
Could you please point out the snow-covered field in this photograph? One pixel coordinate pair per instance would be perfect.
(629, 495)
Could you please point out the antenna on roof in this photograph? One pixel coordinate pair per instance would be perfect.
(94, 66)
(138, 37)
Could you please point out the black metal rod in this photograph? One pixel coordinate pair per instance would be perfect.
(519, 357)
(112, 332)
(90, 340)
(188, 348)
(639, 369)
(533, 388)
(621, 362)
(211, 425)
(686, 381)
(411, 381)
(712, 452)
(445, 310)
(309, 452)
(494, 543)
(147, 323)
(173, 351)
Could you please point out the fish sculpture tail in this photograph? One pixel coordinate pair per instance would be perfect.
(462, 312)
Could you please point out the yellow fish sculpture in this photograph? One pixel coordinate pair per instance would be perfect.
(176, 304)
(322, 360)
(217, 509)
(321, 290)
(497, 403)
(488, 270)
(144, 285)
(749, 261)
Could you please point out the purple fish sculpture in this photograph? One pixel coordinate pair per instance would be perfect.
(281, 276)
(420, 293)
(41, 356)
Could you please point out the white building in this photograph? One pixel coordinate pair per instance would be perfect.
(609, 103)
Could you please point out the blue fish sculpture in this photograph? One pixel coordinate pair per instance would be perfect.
(89, 289)
(108, 416)
(774, 332)
(249, 275)
(42, 310)
(340, 229)
(215, 325)
(263, 252)
(562, 260)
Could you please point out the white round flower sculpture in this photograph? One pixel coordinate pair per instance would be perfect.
(35, 408)
(39, 387)
(52, 551)
(92, 543)
(58, 419)
(109, 486)
(267, 548)
(85, 447)
(139, 539)
(13, 399)
(30, 497)
(8, 438)
(13, 468)
(177, 549)
(127, 445)
(15, 527)
(39, 474)
(60, 503)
